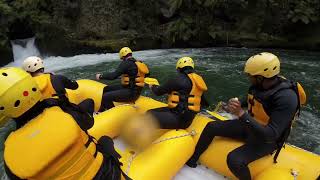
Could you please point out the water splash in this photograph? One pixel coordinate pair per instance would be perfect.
(23, 48)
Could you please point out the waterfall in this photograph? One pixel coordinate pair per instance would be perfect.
(23, 48)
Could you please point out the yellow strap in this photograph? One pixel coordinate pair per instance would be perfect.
(216, 115)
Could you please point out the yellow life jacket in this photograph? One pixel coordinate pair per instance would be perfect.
(45, 85)
(256, 102)
(52, 146)
(194, 97)
(139, 78)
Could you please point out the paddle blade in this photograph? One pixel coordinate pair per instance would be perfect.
(151, 81)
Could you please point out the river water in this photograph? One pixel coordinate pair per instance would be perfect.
(222, 69)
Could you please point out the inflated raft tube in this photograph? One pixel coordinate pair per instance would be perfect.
(161, 160)
(87, 89)
(93, 89)
(292, 161)
(109, 122)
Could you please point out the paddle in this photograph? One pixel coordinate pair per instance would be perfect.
(220, 112)
(151, 81)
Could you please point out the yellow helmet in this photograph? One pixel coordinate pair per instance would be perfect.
(18, 92)
(184, 61)
(32, 64)
(124, 52)
(264, 64)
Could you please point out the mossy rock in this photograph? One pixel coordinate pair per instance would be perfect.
(6, 54)
(112, 45)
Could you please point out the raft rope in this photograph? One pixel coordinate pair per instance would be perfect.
(134, 154)
(131, 158)
(127, 104)
(191, 133)
(294, 173)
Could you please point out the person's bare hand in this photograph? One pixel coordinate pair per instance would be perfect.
(98, 76)
(234, 106)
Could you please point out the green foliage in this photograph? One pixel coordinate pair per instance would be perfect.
(5, 9)
(169, 7)
(269, 17)
(304, 10)
(35, 10)
(192, 16)
(215, 31)
(182, 21)
(207, 3)
(181, 29)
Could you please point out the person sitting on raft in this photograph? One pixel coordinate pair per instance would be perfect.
(51, 85)
(51, 140)
(185, 97)
(132, 74)
(272, 103)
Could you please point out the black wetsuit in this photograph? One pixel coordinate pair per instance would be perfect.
(259, 140)
(121, 93)
(179, 117)
(110, 168)
(60, 83)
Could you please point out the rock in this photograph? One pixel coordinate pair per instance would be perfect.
(6, 54)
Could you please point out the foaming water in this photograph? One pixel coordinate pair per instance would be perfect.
(23, 48)
(60, 63)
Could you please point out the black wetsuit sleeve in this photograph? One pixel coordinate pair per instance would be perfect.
(147, 75)
(67, 83)
(204, 101)
(60, 82)
(244, 102)
(168, 87)
(284, 106)
(123, 66)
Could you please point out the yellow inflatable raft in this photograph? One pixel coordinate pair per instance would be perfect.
(167, 155)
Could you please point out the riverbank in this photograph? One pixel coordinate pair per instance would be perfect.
(67, 28)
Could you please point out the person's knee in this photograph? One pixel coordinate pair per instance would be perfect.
(106, 89)
(108, 97)
(185, 125)
(150, 113)
(90, 101)
(90, 105)
(211, 127)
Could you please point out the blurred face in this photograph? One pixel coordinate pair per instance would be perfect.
(257, 81)
(139, 131)
(252, 79)
(37, 73)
